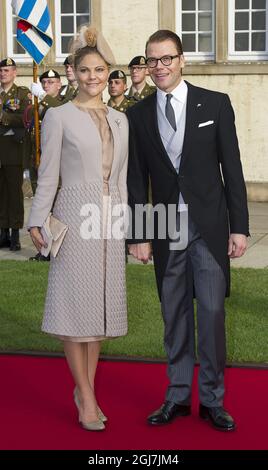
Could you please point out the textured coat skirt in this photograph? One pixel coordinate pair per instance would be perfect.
(86, 293)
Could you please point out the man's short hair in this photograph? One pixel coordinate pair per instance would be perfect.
(164, 34)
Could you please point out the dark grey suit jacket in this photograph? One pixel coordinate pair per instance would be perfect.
(210, 178)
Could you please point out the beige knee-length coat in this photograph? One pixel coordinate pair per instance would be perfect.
(79, 303)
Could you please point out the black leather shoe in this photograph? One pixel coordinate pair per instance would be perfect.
(15, 246)
(15, 240)
(39, 257)
(218, 417)
(167, 413)
(4, 238)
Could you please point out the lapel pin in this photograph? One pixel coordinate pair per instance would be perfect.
(118, 122)
(199, 104)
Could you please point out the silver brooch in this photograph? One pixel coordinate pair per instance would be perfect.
(118, 122)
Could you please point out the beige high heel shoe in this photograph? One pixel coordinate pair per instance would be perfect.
(93, 426)
(102, 416)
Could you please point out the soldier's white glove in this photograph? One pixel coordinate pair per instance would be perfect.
(37, 90)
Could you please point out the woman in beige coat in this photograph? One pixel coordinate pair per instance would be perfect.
(86, 144)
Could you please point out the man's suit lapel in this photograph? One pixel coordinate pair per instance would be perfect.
(194, 108)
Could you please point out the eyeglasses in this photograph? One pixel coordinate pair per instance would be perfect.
(165, 60)
(137, 68)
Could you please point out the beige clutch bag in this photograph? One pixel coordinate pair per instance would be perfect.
(53, 232)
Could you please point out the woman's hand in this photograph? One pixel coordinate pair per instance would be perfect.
(37, 238)
(141, 251)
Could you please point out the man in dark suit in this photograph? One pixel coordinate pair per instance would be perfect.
(183, 139)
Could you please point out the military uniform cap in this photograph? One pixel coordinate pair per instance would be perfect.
(138, 60)
(117, 74)
(49, 74)
(8, 62)
(68, 60)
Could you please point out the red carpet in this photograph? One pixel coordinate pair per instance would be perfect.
(37, 411)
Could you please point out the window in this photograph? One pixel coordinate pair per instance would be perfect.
(196, 27)
(69, 16)
(14, 49)
(248, 20)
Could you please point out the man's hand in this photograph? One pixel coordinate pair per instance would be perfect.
(237, 245)
(141, 251)
(38, 91)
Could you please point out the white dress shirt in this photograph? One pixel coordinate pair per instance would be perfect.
(178, 100)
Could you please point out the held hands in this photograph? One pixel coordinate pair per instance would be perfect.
(37, 238)
(237, 245)
(37, 90)
(141, 251)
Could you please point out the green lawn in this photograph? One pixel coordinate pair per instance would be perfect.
(22, 293)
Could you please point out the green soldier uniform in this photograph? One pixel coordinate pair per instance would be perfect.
(147, 90)
(126, 102)
(124, 105)
(49, 102)
(68, 92)
(12, 135)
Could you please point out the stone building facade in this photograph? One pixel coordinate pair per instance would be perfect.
(225, 44)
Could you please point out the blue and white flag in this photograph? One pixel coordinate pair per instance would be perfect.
(34, 31)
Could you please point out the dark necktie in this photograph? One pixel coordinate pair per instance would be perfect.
(170, 114)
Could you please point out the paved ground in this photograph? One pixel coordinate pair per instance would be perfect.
(255, 257)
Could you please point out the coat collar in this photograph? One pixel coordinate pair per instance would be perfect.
(115, 124)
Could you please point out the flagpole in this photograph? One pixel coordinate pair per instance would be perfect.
(36, 120)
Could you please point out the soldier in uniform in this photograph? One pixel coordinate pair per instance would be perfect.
(13, 101)
(117, 86)
(138, 71)
(69, 92)
(48, 91)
